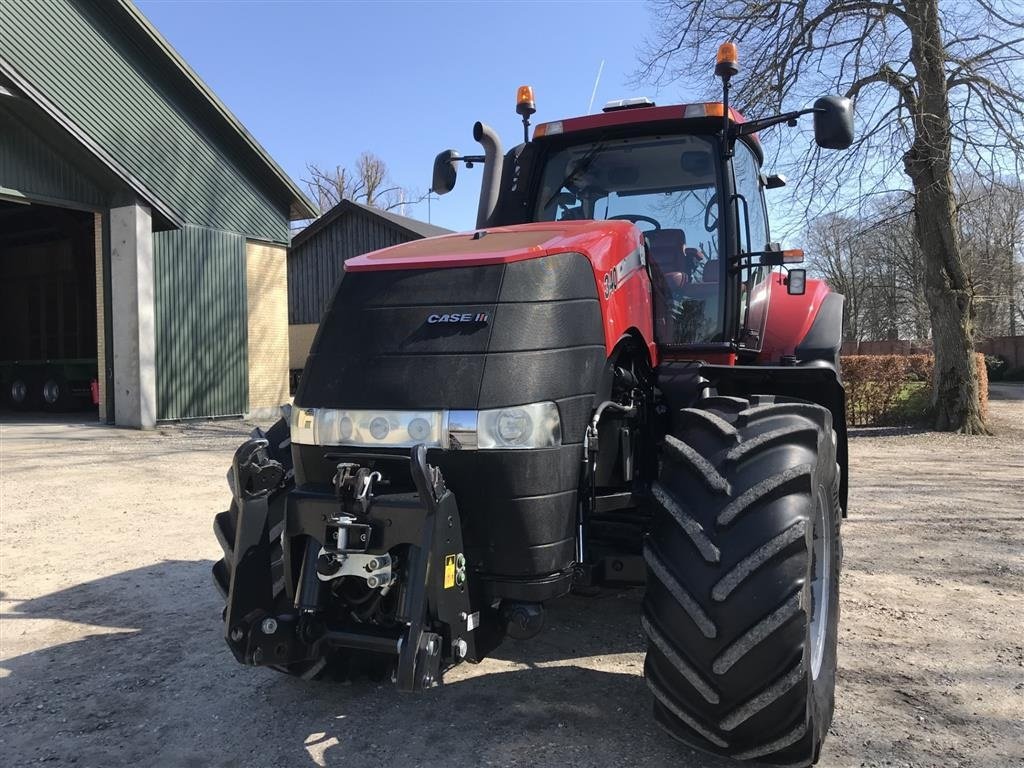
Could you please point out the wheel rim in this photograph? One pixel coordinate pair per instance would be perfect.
(51, 391)
(821, 582)
(18, 391)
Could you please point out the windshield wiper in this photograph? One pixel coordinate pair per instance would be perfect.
(580, 166)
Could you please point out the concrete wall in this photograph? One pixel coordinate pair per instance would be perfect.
(266, 274)
(134, 341)
(101, 346)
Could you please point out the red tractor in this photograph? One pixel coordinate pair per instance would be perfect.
(615, 379)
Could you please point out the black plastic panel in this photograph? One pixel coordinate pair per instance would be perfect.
(553, 278)
(548, 325)
(528, 377)
(575, 414)
(478, 285)
(406, 382)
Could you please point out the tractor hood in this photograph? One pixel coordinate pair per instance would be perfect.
(599, 241)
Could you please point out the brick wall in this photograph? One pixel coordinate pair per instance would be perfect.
(267, 297)
(1010, 347)
(300, 339)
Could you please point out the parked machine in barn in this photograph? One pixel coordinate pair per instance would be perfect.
(615, 379)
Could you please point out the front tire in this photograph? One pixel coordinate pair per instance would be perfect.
(743, 560)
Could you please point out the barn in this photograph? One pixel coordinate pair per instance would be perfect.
(143, 230)
(317, 256)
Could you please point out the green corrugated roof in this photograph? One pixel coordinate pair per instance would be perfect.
(302, 208)
(108, 78)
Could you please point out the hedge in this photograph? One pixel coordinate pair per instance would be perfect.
(895, 389)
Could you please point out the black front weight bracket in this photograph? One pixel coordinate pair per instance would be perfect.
(442, 626)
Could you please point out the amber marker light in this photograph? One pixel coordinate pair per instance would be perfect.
(525, 105)
(727, 63)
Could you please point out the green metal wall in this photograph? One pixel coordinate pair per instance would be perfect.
(30, 166)
(71, 52)
(201, 324)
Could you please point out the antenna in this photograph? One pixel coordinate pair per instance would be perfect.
(593, 93)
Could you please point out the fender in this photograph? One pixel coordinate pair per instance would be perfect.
(681, 384)
(825, 337)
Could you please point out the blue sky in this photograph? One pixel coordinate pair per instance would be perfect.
(323, 81)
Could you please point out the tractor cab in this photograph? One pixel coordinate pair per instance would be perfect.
(690, 178)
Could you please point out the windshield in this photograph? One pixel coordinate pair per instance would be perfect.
(668, 187)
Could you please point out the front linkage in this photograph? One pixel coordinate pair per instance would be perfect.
(409, 543)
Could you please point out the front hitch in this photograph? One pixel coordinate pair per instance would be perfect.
(355, 533)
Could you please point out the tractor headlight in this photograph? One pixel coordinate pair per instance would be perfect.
(523, 426)
(391, 429)
(536, 425)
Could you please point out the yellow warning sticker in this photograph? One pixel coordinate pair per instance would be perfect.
(449, 571)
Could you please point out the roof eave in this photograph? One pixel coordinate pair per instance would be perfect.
(301, 207)
(33, 95)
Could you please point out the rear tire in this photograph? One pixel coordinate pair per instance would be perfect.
(743, 560)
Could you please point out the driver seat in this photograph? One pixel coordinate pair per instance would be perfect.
(666, 251)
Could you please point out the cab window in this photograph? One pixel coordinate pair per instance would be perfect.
(753, 237)
(667, 186)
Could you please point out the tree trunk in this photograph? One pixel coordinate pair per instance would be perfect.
(947, 289)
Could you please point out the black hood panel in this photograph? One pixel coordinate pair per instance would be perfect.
(542, 338)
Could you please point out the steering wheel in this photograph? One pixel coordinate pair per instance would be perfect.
(636, 219)
(711, 220)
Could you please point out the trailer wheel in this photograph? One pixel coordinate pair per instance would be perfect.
(19, 393)
(742, 604)
(56, 394)
(225, 525)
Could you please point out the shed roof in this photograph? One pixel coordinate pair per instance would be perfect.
(104, 74)
(412, 227)
(301, 207)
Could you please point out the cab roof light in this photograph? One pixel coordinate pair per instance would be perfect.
(636, 103)
(525, 105)
(727, 62)
(707, 109)
(548, 129)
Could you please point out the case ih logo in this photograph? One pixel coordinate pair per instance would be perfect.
(458, 317)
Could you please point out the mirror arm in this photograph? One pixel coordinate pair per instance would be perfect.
(753, 126)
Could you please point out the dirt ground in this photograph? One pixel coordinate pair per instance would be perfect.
(111, 655)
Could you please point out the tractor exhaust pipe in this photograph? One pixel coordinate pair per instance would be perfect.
(490, 184)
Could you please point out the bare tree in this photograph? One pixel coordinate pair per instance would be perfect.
(936, 89)
(991, 221)
(368, 183)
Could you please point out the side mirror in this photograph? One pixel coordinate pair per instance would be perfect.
(445, 174)
(796, 282)
(833, 122)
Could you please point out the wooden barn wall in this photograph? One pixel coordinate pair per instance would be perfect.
(315, 266)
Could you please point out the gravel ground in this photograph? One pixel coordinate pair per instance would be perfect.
(110, 653)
